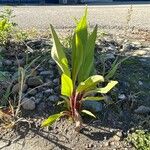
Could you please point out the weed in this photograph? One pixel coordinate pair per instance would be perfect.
(78, 83)
(6, 25)
(140, 139)
(15, 102)
(128, 20)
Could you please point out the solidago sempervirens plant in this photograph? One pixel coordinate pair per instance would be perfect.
(77, 81)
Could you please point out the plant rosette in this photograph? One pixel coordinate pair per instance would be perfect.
(78, 83)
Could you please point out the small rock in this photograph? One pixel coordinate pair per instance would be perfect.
(37, 100)
(110, 56)
(117, 143)
(28, 104)
(112, 143)
(19, 62)
(39, 95)
(40, 69)
(52, 62)
(48, 92)
(137, 44)
(106, 144)
(127, 47)
(140, 83)
(16, 88)
(119, 40)
(139, 53)
(34, 81)
(46, 73)
(7, 62)
(142, 110)
(119, 133)
(92, 105)
(41, 107)
(111, 48)
(116, 138)
(122, 97)
(57, 88)
(56, 81)
(53, 98)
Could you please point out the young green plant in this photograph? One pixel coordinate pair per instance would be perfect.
(78, 83)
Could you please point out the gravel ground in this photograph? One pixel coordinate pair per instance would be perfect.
(108, 16)
(116, 119)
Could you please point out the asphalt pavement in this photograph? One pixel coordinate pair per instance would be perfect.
(109, 16)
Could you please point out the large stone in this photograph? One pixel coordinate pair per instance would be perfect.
(16, 88)
(34, 81)
(142, 110)
(28, 104)
(92, 105)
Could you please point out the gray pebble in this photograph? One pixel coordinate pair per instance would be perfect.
(28, 104)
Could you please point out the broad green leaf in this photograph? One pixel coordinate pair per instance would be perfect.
(90, 83)
(106, 89)
(78, 45)
(88, 59)
(58, 54)
(88, 113)
(50, 120)
(96, 98)
(77, 56)
(81, 28)
(66, 85)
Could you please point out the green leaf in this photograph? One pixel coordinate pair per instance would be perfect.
(50, 120)
(66, 85)
(58, 54)
(90, 83)
(88, 113)
(88, 61)
(114, 68)
(77, 56)
(95, 98)
(78, 46)
(81, 28)
(106, 89)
